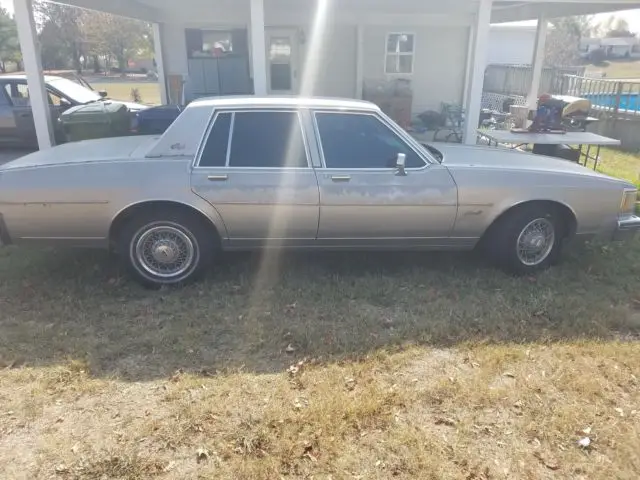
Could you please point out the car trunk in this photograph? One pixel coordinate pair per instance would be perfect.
(105, 149)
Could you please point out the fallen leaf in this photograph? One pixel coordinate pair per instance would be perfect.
(449, 422)
(509, 374)
(586, 431)
(290, 349)
(62, 468)
(620, 411)
(170, 466)
(550, 463)
(202, 454)
(350, 383)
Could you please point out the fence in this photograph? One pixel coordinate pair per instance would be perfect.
(516, 79)
(611, 97)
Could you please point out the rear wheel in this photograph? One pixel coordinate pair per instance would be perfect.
(166, 248)
(526, 240)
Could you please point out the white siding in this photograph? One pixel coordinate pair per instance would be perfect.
(511, 46)
(175, 49)
(337, 72)
(439, 62)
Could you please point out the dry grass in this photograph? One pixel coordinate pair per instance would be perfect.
(618, 68)
(404, 365)
(149, 91)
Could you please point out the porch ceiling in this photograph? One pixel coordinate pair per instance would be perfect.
(350, 11)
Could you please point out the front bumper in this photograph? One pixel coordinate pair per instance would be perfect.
(5, 239)
(627, 228)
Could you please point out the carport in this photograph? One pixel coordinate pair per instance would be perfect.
(350, 26)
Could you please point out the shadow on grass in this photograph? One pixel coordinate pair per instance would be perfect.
(56, 305)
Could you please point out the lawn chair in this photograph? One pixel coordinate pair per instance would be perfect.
(453, 115)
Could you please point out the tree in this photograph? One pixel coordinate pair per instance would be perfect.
(9, 45)
(618, 28)
(563, 39)
(111, 36)
(61, 34)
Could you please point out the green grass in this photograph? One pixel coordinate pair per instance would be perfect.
(618, 69)
(149, 91)
(620, 164)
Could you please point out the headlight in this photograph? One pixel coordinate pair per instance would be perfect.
(628, 204)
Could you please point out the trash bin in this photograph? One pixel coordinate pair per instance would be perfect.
(96, 120)
(155, 120)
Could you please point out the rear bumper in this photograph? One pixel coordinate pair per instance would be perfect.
(5, 239)
(627, 228)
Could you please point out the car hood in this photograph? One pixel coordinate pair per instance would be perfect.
(104, 149)
(505, 159)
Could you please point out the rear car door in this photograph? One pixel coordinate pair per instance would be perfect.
(363, 199)
(254, 168)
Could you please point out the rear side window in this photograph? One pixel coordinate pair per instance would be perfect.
(214, 153)
(267, 139)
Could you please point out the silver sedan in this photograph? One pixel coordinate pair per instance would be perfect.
(293, 173)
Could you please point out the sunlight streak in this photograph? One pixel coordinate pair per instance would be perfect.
(288, 189)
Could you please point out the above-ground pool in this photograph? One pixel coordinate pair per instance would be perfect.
(628, 101)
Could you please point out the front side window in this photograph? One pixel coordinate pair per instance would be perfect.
(399, 53)
(361, 141)
(267, 139)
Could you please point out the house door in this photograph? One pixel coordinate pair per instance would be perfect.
(282, 58)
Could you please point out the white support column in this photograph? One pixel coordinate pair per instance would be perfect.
(258, 49)
(359, 61)
(538, 61)
(158, 46)
(28, 36)
(476, 74)
(467, 71)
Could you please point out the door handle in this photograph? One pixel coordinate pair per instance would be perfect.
(340, 178)
(218, 178)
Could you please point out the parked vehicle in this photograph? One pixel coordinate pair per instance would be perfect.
(249, 173)
(16, 117)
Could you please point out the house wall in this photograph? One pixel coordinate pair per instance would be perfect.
(332, 71)
(511, 46)
(439, 62)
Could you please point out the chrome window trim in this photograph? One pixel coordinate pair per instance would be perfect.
(382, 119)
(233, 111)
(212, 119)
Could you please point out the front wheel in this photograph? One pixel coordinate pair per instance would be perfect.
(527, 240)
(165, 248)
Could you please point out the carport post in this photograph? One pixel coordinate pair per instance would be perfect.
(158, 46)
(476, 73)
(538, 61)
(258, 49)
(30, 47)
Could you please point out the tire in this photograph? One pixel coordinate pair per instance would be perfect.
(526, 240)
(169, 247)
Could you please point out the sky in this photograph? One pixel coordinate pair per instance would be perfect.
(631, 16)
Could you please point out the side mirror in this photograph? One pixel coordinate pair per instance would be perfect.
(400, 162)
(103, 93)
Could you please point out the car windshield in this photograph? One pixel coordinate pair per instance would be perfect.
(74, 91)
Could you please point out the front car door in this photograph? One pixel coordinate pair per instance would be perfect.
(254, 168)
(364, 202)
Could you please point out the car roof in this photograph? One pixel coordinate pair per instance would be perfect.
(14, 76)
(283, 101)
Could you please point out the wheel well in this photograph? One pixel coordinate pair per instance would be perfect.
(142, 208)
(569, 219)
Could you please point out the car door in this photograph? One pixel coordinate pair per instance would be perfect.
(7, 121)
(254, 168)
(24, 131)
(364, 199)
